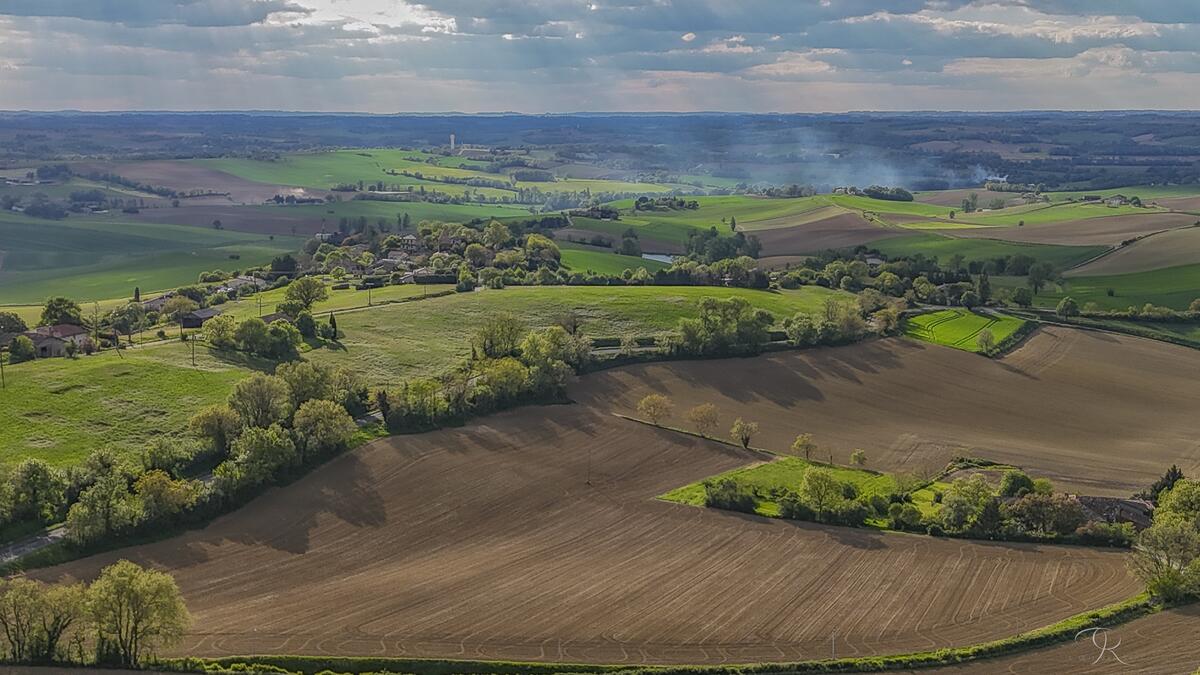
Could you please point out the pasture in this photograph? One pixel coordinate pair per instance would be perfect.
(96, 259)
(390, 343)
(1174, 287)
(960, 328)
(60, 410)
(590, 259)
(443, 538)
(1046, 406)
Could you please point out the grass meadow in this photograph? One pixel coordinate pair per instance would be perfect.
(944, 248)
(580, 258)
(959, 328)
(90, 259)
(1174, 287)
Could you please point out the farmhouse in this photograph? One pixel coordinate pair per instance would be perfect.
(156, 304)
(276, 316)
(197, 318)
(408, 243)
(47, 346)
(235, 285)
(65, 332)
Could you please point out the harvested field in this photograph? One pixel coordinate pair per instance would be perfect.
(1105, 231)
(485, 543)
(1157, 251)
(188, 176)
(840, 231)
(1047, 406)
(1160, 644)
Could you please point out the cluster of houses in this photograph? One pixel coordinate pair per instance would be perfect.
(1113, 200)
(51, 341)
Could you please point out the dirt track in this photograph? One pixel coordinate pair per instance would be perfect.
(484, 542)
(1096, 413)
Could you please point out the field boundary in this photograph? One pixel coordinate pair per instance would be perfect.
(1062, 631)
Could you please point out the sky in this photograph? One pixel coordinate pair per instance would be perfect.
(538, 56)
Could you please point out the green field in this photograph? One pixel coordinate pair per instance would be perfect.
(373, 210)
(89, 259)
(959, 328)
(391, 343)
(264, 303)
(1143, 192)
(859, 203)
(323, 170)
(1041, 214)
(945, 247)
(60, 410)
(674, 226)
(785, 473)
(1174, 287)
(578, 258)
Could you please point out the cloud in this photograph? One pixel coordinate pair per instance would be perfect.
(553, 55)
(151, 12)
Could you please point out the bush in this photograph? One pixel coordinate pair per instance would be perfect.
(1120, 535)
(728, 494)
(1015, 483)
(794, 508)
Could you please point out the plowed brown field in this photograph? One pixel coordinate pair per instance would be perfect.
(1161, 644)
(485, 543)
(1096, 413)
(1106, 231)
(840, 231)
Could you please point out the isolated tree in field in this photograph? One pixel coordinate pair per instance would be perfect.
(61, 310)
(1040, 273)
(136, 611)
(986, 341)
(333, 327)
(704, 417)
(655, 407)
(821, 491)
(742, 431)
(733, 223)
(804, 445)
(261, 400)
(306, 291)
(217, 423)
(1067, 308)
(858, 458)
(321, 427)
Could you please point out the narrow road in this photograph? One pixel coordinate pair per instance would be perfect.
(28, 545)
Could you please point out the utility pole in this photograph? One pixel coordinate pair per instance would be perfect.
(192, 340)
(259, 298)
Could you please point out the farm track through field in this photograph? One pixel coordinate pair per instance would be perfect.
(485, 543)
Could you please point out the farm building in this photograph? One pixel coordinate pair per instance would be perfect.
(47, 346)
(197, 318)
(408, 243)
(276, 316)
(156, 304)
(236, 284)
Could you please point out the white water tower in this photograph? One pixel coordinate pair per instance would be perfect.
(451, 142)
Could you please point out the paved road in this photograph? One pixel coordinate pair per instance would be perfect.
(32, 543)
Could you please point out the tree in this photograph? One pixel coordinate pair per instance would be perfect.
(178, 307)
(21, 349)
(162, 497)
(306, 381)
(20, 601)
(743, 431)
(104, 509)
(969, 299)
(322, 427)
(496, 235)
(251, 335)
(62, 606)
(1164, 555)
(261, 400)
(858, 458)
(1067, 308)
(804, 445)
(704, 417)
(135, 612)
(306, 291)
(257, 454)
(986, 341)
(284, 263)
(1015, 483)
(821, 491)
(655, 407)
(305, 324)
(1047, 514)
(36, 491)
(61, 310)
(221, 332)
(219, 424)
(1181, 500)
(1023, 297)
(1039, 274)
(499, 336)
(11, 323)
